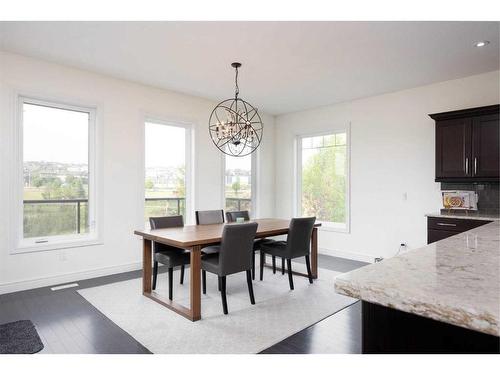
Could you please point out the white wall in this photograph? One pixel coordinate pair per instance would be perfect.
(121, 108)
(392, 153)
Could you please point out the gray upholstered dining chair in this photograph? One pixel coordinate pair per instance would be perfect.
(209, 217)
(233, 255)
(232, 217)
(168, 255)
(297, 245)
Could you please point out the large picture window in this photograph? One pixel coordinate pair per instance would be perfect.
(323, 179)
(238, 183)
(58, 194)
(167, 153)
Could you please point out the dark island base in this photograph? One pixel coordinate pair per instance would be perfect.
(386, 330)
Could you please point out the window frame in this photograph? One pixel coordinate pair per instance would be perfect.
(94, 237)
(189, 161)
(253, 178)
(297, 209)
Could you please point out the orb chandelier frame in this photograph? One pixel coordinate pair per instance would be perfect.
(235, 126)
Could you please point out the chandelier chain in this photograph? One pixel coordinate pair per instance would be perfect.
(237, 89)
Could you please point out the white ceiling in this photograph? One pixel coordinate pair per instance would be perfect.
(287, 66)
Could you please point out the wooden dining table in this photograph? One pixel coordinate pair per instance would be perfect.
(193, 238)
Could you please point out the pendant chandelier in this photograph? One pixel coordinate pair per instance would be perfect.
(235, 125)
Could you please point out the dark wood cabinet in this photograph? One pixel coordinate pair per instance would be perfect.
(438, 235)
(485, 137)
(453, 148)
(468, 145)
(386, 330)
(439, 228)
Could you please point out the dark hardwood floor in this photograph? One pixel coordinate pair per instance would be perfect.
(67, 323)
(340, 333)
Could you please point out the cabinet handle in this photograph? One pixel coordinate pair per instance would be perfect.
(447, 224)
(466, 166)
(475, 166)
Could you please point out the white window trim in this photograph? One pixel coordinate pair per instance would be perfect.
(297, 207)
(22, 245)
(189, 160)
(253, 196)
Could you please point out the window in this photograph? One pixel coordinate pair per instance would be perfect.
(238, 182)
(58, 184)
(167, 155)
(323, 179)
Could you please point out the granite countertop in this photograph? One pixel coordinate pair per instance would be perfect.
(472, 215)
(455, 280)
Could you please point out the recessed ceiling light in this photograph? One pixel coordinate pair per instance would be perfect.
(481, 43)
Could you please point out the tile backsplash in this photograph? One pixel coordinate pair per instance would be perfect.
(488, 194)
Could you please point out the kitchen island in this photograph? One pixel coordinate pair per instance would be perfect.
(441, 298)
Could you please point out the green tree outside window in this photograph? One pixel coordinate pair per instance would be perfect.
(324, 184)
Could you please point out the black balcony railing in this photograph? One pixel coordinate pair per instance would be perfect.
(164, 207)
(238, 204)
(43, 217)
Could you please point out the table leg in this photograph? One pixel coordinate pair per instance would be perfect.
(146, 265)
(195, 284)
(194, 312)
(314, 253)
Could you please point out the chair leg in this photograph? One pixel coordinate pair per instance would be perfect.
(204, 281)
(290, 277)
(250, 287)
(223, 293)
(182, 274)
(262, 258)
(309, 273)
(274, 264)
(253, 266)
(155, 274)
(170, 282)
(219, 284)
(282, 266)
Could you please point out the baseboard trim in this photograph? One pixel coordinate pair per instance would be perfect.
(347, 255)
(17, 286)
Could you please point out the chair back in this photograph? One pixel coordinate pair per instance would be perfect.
(232, 216)
(299, 236)
(166, 222)
(162, 222)
(236, 249)
(210, 217)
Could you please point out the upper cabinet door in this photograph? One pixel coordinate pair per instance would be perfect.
(453, 148)
(485, 146)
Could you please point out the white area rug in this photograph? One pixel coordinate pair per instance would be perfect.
(277, 314)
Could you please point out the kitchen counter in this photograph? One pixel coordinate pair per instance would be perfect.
(477, 215)
(455, 280)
